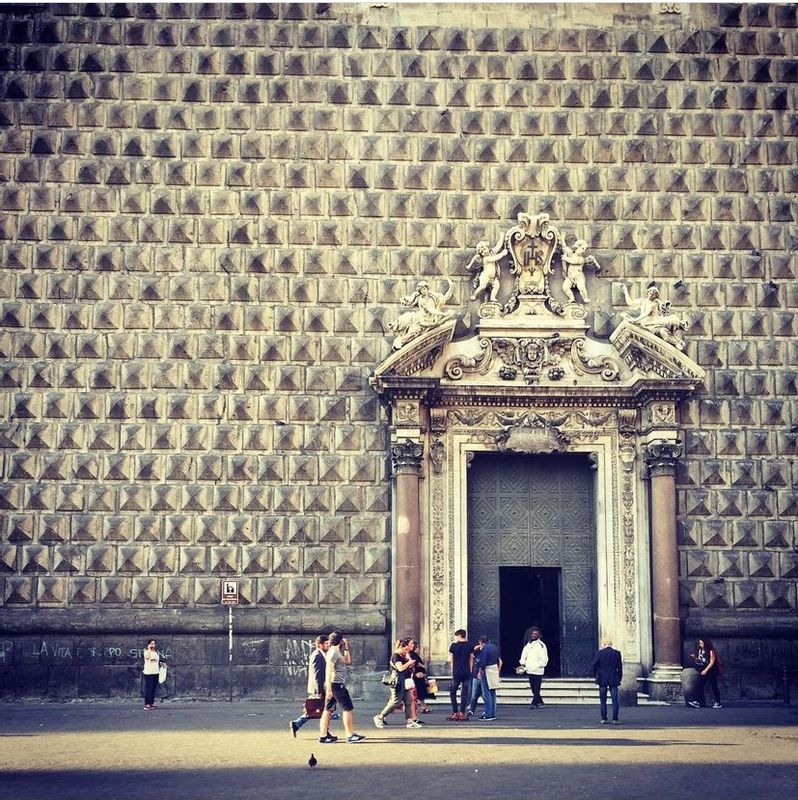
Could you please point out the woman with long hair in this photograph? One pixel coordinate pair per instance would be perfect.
(419, 677)
(707, 663)
(402, 689)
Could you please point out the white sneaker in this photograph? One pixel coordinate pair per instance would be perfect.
(694, 704)
(379, 722)
(718, 705)
(413, 724)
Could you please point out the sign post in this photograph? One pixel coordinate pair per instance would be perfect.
(230, 599)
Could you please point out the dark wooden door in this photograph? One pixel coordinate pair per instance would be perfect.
(534, 511)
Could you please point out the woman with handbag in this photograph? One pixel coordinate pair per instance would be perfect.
(152, 663)
(402, 666)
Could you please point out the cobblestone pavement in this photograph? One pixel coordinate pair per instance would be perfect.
(245, 750)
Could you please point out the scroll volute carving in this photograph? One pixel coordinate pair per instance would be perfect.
(406, 456)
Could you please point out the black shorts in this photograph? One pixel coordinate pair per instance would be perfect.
(340, 695)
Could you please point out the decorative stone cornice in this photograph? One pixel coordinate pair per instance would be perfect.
(406, 457)
(661, 457)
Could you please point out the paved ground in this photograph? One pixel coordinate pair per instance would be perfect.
(245, 750)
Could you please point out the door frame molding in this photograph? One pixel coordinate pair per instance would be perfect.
(620, 547)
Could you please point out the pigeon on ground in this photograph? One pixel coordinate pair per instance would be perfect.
(312, 761)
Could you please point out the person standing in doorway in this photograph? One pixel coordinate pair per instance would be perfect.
(608, 671)
(460, 665)
(152, 663)
(338, 658)
(534, 658)
(489, 670)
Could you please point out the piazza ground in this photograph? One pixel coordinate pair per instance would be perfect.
(245, 750)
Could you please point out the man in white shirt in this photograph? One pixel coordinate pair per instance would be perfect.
(338, 658)
(534, 658)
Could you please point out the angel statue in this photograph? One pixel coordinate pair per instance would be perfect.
(574, 262)
(427, 312)
(486, 264)
(655, 315)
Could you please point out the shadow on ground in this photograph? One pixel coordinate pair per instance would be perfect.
(430, 781)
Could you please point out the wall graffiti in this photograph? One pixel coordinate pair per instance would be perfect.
(60, 651)
(295, 656)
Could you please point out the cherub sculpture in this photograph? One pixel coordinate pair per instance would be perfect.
(427, 312)
(655, 315)
(574, 262)
(486, 264)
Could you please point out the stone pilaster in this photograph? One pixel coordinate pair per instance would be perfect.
(406, 463)
(665, 679)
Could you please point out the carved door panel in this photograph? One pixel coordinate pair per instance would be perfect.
(534, 511)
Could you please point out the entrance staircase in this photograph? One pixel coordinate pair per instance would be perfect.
(514, 691)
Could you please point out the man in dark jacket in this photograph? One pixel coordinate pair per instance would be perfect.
(608, 671)
(317, 671)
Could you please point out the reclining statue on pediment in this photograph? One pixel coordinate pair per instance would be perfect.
(427, 312)
(655, 315)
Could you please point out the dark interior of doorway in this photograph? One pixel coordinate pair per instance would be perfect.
(529, 596)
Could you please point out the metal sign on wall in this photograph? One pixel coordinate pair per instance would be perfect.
(229, 593)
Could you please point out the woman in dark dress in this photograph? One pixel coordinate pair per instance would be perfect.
(420, 677)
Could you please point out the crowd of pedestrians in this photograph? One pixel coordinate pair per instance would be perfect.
(475, 673)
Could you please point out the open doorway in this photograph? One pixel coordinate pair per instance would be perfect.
(529, 596)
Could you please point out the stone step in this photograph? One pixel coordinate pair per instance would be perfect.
(555, 691)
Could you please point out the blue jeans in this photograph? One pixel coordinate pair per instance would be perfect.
(463, 683)
(476, 691)
(603, 701)
(489, 697)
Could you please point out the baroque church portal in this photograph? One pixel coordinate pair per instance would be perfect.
(520, 442)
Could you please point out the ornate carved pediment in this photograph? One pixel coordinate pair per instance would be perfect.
(527, 343)
(646, 352)
(420, 353)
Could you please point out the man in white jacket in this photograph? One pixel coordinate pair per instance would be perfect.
(534, 658)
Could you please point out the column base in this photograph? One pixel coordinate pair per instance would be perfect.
(665, 683)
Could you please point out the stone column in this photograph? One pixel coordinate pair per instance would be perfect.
(406, 461)
(661, 459)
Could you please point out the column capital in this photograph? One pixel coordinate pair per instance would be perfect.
(406, 457)
(661, 457)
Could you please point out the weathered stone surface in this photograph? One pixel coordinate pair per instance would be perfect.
(202, 247)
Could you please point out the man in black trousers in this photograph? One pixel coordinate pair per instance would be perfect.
(608, 670)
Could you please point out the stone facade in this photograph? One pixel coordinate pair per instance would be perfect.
(209, 216)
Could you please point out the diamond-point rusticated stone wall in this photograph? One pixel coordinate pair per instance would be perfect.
(209, 214)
